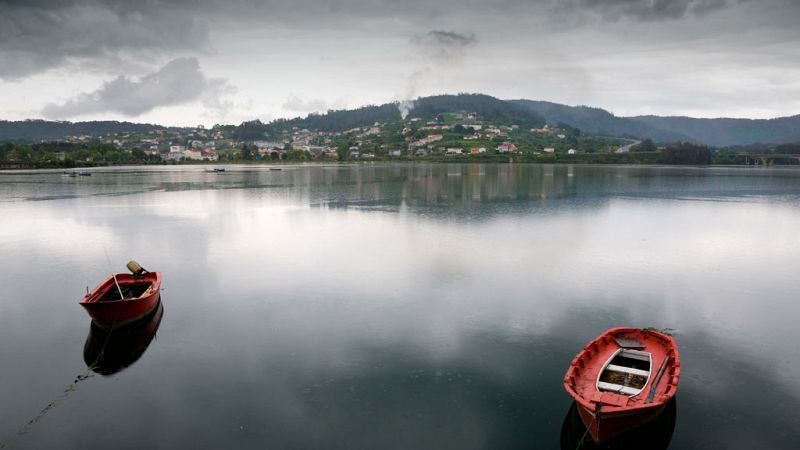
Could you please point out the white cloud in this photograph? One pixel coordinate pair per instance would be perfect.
(299, 57)
(179, 81)
(297, 104)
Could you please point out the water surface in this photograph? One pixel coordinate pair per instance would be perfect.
(395, 305)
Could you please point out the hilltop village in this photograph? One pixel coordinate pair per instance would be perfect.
(448, 135)
(463, 127)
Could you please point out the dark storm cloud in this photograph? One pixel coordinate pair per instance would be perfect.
(648, 9)
(446, 46)
(37, 35)
(451, 38)
(179, 81)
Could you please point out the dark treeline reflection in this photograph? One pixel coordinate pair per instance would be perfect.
(473, 191)
(385, 185)
(470, 189)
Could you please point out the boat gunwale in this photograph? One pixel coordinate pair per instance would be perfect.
(93, 297)
(672, 378)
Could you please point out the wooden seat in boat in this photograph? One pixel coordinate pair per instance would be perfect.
(625, 372)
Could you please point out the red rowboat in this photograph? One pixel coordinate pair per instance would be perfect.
(123, 298)
(622, 379)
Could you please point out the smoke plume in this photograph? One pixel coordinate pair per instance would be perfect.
(405, 107)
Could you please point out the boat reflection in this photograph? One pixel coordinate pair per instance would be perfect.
(653, 435)
(108, 352)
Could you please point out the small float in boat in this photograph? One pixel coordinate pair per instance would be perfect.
(623, 379)
(123, 298)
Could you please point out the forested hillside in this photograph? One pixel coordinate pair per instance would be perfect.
(35, 130)
(525, 113)
(716, 132)
(725, 132)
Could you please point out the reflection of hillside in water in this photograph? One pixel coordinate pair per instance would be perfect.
(488, 189)
(493, 387)
(474, 189)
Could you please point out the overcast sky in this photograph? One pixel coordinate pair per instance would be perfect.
(186, 62)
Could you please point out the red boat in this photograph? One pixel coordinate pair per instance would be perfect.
(123, 298)
(623, 379)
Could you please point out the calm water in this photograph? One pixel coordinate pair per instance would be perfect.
(394, 306)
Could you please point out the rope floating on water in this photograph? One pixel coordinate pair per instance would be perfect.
(71, 388)
(580, 443)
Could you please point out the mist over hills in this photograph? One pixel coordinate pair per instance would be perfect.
(526, 113)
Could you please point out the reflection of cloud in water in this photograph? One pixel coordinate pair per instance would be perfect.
(734, 398)
(327, 390)
(301, 317)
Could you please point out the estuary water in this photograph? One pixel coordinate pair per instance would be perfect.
(383, 306)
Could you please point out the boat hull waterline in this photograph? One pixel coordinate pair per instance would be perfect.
(108, 310)
(623, 379)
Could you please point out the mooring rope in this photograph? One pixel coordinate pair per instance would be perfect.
(71, 388)
(580, 443)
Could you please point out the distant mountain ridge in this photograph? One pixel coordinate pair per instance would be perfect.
(526, 113)
(716, 132)
(599, 121)
(35, 130)
(725, 131)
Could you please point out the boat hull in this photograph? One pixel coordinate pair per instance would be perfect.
(115, 313)
(614, 424)
(656, 434)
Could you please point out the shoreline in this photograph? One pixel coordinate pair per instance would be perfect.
(272, 165)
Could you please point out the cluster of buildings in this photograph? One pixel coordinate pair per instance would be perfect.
(507, 147)
(551, 131)
(469, 135)
(171, 145)
(425, 142)
(197, 152)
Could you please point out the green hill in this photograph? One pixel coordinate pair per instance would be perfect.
(36, 130)
(525, 113)
(489, 108)
(599, 121)
(717, 132)
(727, 132)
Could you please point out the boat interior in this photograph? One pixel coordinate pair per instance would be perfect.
(128, 291)
(626, 372)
